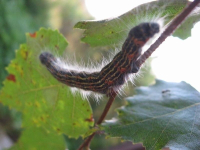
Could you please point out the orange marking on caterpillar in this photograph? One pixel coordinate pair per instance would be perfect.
(116, 65)
(122, 70)
(138, 42)
(130, 57)
(109, 82)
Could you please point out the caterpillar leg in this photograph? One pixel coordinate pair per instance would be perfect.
(134, 68)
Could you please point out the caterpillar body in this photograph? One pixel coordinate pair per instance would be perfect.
(115, 73)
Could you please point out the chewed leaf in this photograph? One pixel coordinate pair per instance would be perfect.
(184, 31)
(162, 115)
(113, 31)
(44, 101)
(38, 138)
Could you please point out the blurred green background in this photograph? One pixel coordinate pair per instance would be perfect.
(18, 17)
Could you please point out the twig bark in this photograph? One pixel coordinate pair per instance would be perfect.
(86, 143)
(169, 30)
(108, 105)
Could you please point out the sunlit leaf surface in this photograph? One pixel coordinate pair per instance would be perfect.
(38, 138)
(114, 31)
(44, 102)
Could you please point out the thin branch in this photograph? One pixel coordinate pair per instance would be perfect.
(86, 143)
(169, 30)
(108, 105)
(112, 96)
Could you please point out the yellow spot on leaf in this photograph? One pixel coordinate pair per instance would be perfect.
(24, 54)
(43, 118)
(29, 104)
(17, 68)
(37, 104)
(61, 105)
(58, 130)
(35, 121)
(18, 102)
(33, 81)
(43, 101)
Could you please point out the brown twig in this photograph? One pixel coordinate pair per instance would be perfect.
(86, 143)
(108, 105)
(169, 30)
(112, 96)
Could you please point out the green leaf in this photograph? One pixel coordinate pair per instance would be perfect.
(184, 31)
(45, 102)
(17, 18)
(91, 131)
(114, 31)
(165, 114)
(38, 138)
(72, 144)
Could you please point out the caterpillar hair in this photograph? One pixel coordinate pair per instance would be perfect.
(115, 73)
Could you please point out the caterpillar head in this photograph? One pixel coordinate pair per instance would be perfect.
(144, 31)
(46, 57)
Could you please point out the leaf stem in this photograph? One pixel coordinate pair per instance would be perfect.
(168, 31)
(86, 143)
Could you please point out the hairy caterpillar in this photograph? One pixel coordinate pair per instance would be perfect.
(115, 73)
